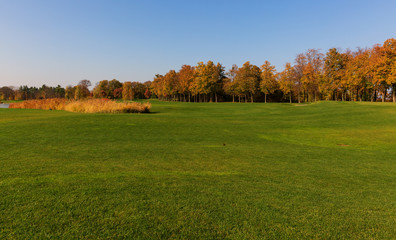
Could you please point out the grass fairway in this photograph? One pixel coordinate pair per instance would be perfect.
(201, 171)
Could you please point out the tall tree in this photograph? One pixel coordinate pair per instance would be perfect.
(313, 72)
(169, 84)
(205, 80)
(286, 80)
(127, 92)
(389, 52)
(69, 92)
(114, 87)
(268, 83)
(102, 89)
(82, 90)
(248, 78)
(334, 70)
(185, 79)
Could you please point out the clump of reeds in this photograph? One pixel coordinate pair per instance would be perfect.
(46, 104)
(103, 106)
(85, 106)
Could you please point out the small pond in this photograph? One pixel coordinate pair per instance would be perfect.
(4, 105)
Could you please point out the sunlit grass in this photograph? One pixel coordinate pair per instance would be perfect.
(200, 171)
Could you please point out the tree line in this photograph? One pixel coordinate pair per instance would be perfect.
(362, 75)
(112, 89)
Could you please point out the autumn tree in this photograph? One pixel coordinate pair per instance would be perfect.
(389, 64)
(101, 90)
(7, 93)
(334, 70)
(127, 92)
(286, 80)
(230, 85)
(268, 83)
(185, 79)
(312, 73)
(139, 89)
(69, 92)
(169, 85)
(115, 87)
(81, 90)
(206, 78)
(157, 86)
(248, 79)
(147, 93)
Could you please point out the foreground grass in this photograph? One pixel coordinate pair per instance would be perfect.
(237, 171)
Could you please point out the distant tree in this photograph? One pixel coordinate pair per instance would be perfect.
(78, 92)
(101, 89)
(59, 92)
(82, 90)
(7, 93)
(113, 85)
(69, 92)
(147, 93)
(127, 92)
(138, 89)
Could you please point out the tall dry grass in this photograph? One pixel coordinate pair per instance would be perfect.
(46, 104)
(85, 106)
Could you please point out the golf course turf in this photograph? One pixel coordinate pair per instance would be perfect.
(325, 170)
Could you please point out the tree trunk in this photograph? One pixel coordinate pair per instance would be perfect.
(216, 97)
(265, 98)
(233, 98)
(299, 100)
(251, 97)
(394, 92)
(394, 96)
(290, 97)
(384, 95)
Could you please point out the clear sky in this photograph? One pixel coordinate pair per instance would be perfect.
(64, 41)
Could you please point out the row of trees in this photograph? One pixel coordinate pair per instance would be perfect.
(361, 75)
(25, 92)
(113, 89)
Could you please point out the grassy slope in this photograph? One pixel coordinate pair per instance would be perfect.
(200, 171)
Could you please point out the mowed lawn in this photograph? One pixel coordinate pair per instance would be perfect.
(201, 171)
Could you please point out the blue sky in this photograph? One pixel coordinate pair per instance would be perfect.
(63, 41)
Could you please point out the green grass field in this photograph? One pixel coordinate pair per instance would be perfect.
(201, 171)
